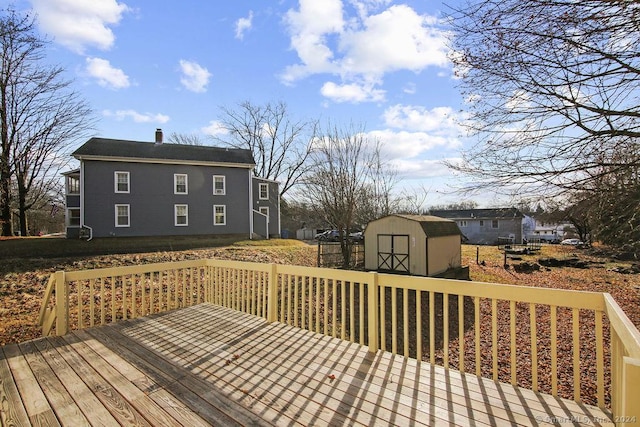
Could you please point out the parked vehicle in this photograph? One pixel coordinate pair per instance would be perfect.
(328, 236)
(572, 242)
(358, 236)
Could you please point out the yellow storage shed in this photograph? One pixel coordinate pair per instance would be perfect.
(420, 245)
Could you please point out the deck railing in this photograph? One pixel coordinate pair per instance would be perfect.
(573, 344)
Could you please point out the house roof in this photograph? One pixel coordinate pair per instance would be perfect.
(432, 225)
(496, 213)
(118, 149)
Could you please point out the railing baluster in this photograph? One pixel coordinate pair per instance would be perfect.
(394, 321)
(405, 322)
(296, 316)
(445, 328)
(123, 286)
(576, 354)
(432, 327)
(334, 307)
(534, 346)
(383, 318)
(461, 333)
(318, 304)
(494, 337)
(325, 284)
(289, 302)
(102, 303)
(418, 325)
(133, 295)
(361, 312)
(476, 326)
(554, 350)
(80, 305)
(92, 302)
(343, 307)
(305, 286)
(352, 317)
(176, 279)
(599, 359)
(143, 296)
(113, 299)
(183, 300)
(512, 327)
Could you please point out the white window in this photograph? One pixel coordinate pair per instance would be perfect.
(481, 223)
(463, 223)
(121, 183)
(494, 223)
(181, 215)
(219, 214)
(73, 184)
(219, 186)
(264, 191)
(122, 216)
(180, 184)
(264, 210)
(73, 217)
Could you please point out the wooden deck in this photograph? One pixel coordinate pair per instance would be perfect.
(208, 365)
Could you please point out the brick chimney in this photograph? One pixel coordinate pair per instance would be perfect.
(158, 136)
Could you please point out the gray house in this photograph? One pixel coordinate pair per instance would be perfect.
(486, 226)
(132, 188)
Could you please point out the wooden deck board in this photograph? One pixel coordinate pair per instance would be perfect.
(211, 365)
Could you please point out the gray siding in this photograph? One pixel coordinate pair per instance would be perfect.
(152, 199)
(271, 203)
(487, 235)
(73, 201)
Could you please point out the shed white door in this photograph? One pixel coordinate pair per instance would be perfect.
(393, 253)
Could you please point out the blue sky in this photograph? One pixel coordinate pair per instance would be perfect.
(147, 64)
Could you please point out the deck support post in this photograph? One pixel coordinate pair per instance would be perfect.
(629, 410)
(373, 308)
(62, 304)
(272, 295)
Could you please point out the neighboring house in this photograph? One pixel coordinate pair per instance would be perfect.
(487, 226)
(131, 188)
(550, 231)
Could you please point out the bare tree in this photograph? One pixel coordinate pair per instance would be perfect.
(185, 138)
(552, 87)
(413, 201)
(342, 163)
(280, 144)
(377, 198)
(39, 116)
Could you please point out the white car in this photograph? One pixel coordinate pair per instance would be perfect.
(572, 242)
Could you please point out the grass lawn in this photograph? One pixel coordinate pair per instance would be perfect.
(45, 247)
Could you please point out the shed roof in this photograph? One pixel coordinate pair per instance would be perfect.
(119, 148)
(433, 226)
(495, 213)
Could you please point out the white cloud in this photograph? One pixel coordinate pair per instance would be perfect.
(78, 24)
(396, 39)
(423, 168)
(243, 24)
(418, 118)
(309, 28)
(194, 77)
(352, 92)
(407, 145)
(107, 76)
(136, 117)
(364, 47)
(214, 128)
